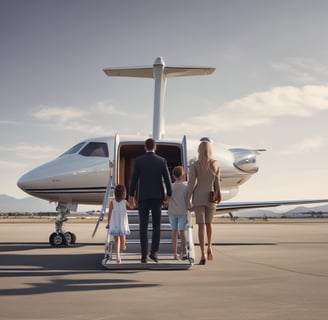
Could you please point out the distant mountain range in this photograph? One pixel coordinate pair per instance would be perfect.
(33, 205)
(295, 212)
(29, 204)
(10, 204)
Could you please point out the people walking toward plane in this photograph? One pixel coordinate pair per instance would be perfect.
(178, 212)
(204, 178)
(148, 173)
(118, 223)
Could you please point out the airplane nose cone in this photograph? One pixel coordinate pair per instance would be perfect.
(20, 184)
(37, 178)
(245, 160)
(25, 182)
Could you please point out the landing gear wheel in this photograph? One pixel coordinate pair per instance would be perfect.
(73, 236)
(57, 239)
(70, 237)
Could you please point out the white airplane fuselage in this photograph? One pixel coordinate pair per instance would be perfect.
(80, 175)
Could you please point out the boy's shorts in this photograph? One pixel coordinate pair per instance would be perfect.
(178, 222)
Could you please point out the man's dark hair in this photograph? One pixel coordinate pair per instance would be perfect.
(150, 144)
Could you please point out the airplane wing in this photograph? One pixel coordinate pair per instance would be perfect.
(227, 207)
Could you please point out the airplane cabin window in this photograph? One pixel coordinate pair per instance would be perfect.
(74, 149)
(95, 149)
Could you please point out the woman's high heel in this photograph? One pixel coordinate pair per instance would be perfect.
(209, 254)
(202, 261)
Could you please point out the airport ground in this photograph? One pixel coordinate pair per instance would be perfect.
(264, 270)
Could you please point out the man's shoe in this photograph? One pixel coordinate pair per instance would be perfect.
(144, 260)
(153, 256)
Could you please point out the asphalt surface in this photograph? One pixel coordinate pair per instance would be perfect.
(259, 271)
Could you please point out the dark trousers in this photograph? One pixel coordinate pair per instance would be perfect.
(155, 206)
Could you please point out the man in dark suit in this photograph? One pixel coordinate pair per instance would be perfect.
(148, 173)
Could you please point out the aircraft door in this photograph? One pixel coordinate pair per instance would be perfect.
(116, 160)
(184, 155)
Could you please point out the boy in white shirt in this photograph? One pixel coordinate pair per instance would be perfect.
(178, 212)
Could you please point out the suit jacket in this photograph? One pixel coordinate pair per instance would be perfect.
(201, 182)
(148, 173)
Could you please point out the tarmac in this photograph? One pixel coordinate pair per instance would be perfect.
(259, 271)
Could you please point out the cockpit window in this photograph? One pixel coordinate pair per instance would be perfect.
(74, 149)
(95, 149)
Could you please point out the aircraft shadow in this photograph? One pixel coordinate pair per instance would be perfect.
(73, 285)
(42, 267)
(22, 246)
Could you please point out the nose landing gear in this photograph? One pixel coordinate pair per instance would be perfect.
(60, 238)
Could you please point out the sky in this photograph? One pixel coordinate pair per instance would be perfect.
(269, 90)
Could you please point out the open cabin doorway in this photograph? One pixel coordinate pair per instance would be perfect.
(128, 151)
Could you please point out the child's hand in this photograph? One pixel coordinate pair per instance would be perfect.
(190, 206)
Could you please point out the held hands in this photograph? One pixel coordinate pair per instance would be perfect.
(166, 201)
(189, 206)
(132, 202)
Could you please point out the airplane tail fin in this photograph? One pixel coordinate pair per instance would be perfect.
(159, 72)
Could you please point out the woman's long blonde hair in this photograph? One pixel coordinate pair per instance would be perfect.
(205, 154)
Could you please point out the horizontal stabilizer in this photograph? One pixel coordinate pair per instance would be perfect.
(186, 71)
(147, 72)
(137, 72)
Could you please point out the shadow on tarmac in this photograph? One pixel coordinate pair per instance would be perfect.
(44, 268)
(21, 246)
(73, 285)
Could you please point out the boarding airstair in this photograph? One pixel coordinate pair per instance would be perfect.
(130, 258)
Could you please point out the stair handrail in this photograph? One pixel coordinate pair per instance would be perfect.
(105, 201)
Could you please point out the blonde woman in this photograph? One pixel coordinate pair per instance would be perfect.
(204, 177)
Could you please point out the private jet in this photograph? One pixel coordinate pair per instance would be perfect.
(88, 172)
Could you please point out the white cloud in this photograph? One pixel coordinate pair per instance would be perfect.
(73, 119)
(302, 70)
(10, 122)
(261, 108)
(90, 119)
(30, 151)
(109, 109)
(59, 114)
(87, 128)
(305, 145)
(11, 165)
(35, 151)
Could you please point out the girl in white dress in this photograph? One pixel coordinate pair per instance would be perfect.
(118, 220)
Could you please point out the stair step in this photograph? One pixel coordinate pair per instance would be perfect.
(132, 262)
